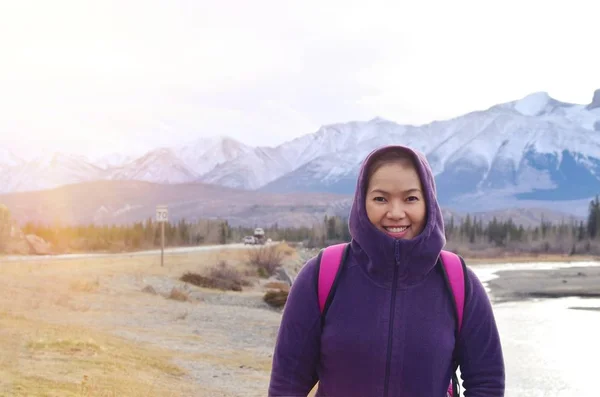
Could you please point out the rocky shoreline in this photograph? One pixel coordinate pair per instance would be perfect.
(518, 285)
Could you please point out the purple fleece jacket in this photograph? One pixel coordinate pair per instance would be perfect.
(390, 329)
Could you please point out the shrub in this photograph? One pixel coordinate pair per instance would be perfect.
(222, 276)
(276, 298)
(265, 260)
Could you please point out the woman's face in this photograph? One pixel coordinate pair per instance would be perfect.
(395, 201)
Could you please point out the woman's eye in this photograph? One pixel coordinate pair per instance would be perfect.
(413, 198)
(380, 199)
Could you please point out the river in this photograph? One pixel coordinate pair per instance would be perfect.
(550, 349)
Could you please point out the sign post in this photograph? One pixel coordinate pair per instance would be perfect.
(162, 216)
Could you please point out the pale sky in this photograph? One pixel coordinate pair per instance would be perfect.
(104, 76)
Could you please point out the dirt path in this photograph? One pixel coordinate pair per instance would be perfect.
(87, 327)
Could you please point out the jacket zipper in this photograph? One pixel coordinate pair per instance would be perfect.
(391, 327)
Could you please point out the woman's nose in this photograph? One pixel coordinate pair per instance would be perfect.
(396, 212)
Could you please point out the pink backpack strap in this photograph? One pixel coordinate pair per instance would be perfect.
(456, 277)
(331, 258)
(455, 274)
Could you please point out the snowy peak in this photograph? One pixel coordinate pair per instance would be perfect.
(203, 155)
(542, 104)
(339, 137)
(533, 104)
(539, 103)
(263, 165)
(250, 170)
(595, 104)
(162, 155)
(50, 170)
(160, 166)
(232, 148)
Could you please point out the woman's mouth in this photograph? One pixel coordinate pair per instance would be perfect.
(396, 231)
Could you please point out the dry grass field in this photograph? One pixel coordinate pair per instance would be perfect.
(122, 325)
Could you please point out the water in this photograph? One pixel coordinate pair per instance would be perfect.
(550, 350)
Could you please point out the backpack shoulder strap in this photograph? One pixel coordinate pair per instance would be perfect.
(331, 259)
(454, 272)
(455, 275)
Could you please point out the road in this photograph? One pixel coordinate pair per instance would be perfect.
(176, 250)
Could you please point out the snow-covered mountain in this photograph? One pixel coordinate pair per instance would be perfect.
(536, 148)
(47, 171)
(251, 170)
(160, 166)
(181, 164)
(264, 165)
(529, 150)
(203, 155)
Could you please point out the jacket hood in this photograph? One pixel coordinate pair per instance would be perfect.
(379, 252)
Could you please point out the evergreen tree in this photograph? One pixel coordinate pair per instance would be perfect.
(593, 221)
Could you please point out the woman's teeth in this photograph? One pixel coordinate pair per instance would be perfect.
(396, 229)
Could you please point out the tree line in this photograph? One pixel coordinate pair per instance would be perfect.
(470, 236)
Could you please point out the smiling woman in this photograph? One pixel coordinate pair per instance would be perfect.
(389, 309)
(395, 202)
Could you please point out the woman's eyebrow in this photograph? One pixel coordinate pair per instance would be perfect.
(379, 191)
(412, 190)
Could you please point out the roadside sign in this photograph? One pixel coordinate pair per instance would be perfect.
(162, 216)
(162, 213)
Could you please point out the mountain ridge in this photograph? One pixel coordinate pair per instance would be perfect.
(534, 149)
